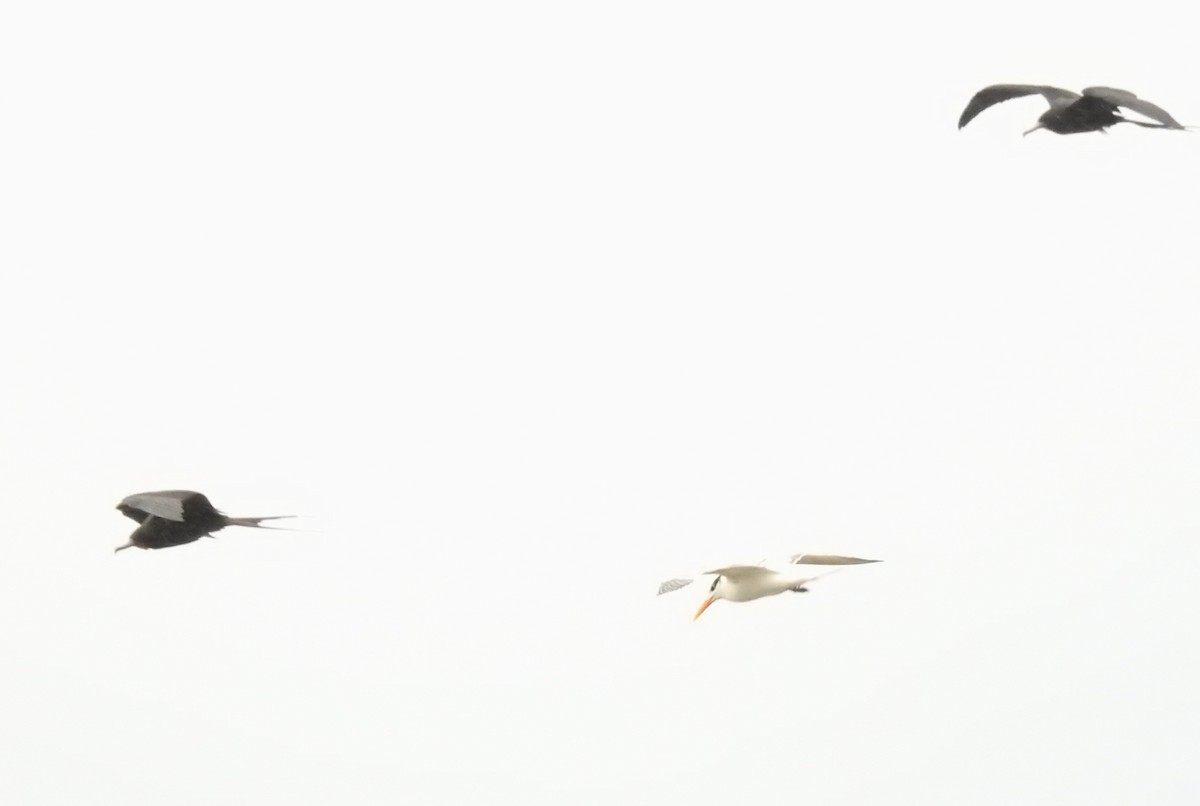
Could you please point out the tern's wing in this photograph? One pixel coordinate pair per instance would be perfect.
(740, 572)
(673, 585)
(827, 559)
(1132, 102)
(997, 93)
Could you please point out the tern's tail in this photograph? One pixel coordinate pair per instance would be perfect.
(800, 585)
(256, 522)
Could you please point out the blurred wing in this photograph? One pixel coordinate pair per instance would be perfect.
(1134, 103)
(166, 505)
(740, 572)
(997, 93)
(827, 559)
(673, 585)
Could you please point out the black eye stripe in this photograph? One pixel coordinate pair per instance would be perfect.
(714, 585)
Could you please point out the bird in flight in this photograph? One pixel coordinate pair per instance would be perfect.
(745, 583)
(174, 517)
(1071, 112)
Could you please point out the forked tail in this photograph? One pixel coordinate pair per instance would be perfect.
(1147, 125)
(800, 586)
(257, 522)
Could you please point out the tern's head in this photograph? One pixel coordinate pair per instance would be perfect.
(714, 593)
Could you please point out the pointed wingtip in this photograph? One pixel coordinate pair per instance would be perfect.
(829, 559)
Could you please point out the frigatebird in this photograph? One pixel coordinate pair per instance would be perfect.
(1071, 112)
(174, 517)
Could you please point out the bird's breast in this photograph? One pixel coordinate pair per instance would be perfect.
(749, 590)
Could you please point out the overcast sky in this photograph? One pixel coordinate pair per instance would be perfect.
(526, 307)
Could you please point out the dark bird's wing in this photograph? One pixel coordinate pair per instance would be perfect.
(827, 559)
(133, 512)
(997, 93)
(1134, 103)
(673, 585)
(171, 505)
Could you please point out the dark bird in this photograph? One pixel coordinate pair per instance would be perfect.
(1070, 112)
(174, 517)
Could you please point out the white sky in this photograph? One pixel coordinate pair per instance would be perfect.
(529, 306)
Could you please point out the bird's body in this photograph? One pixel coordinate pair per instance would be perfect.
(1093, 110)
(175, 517)
(745, 583)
